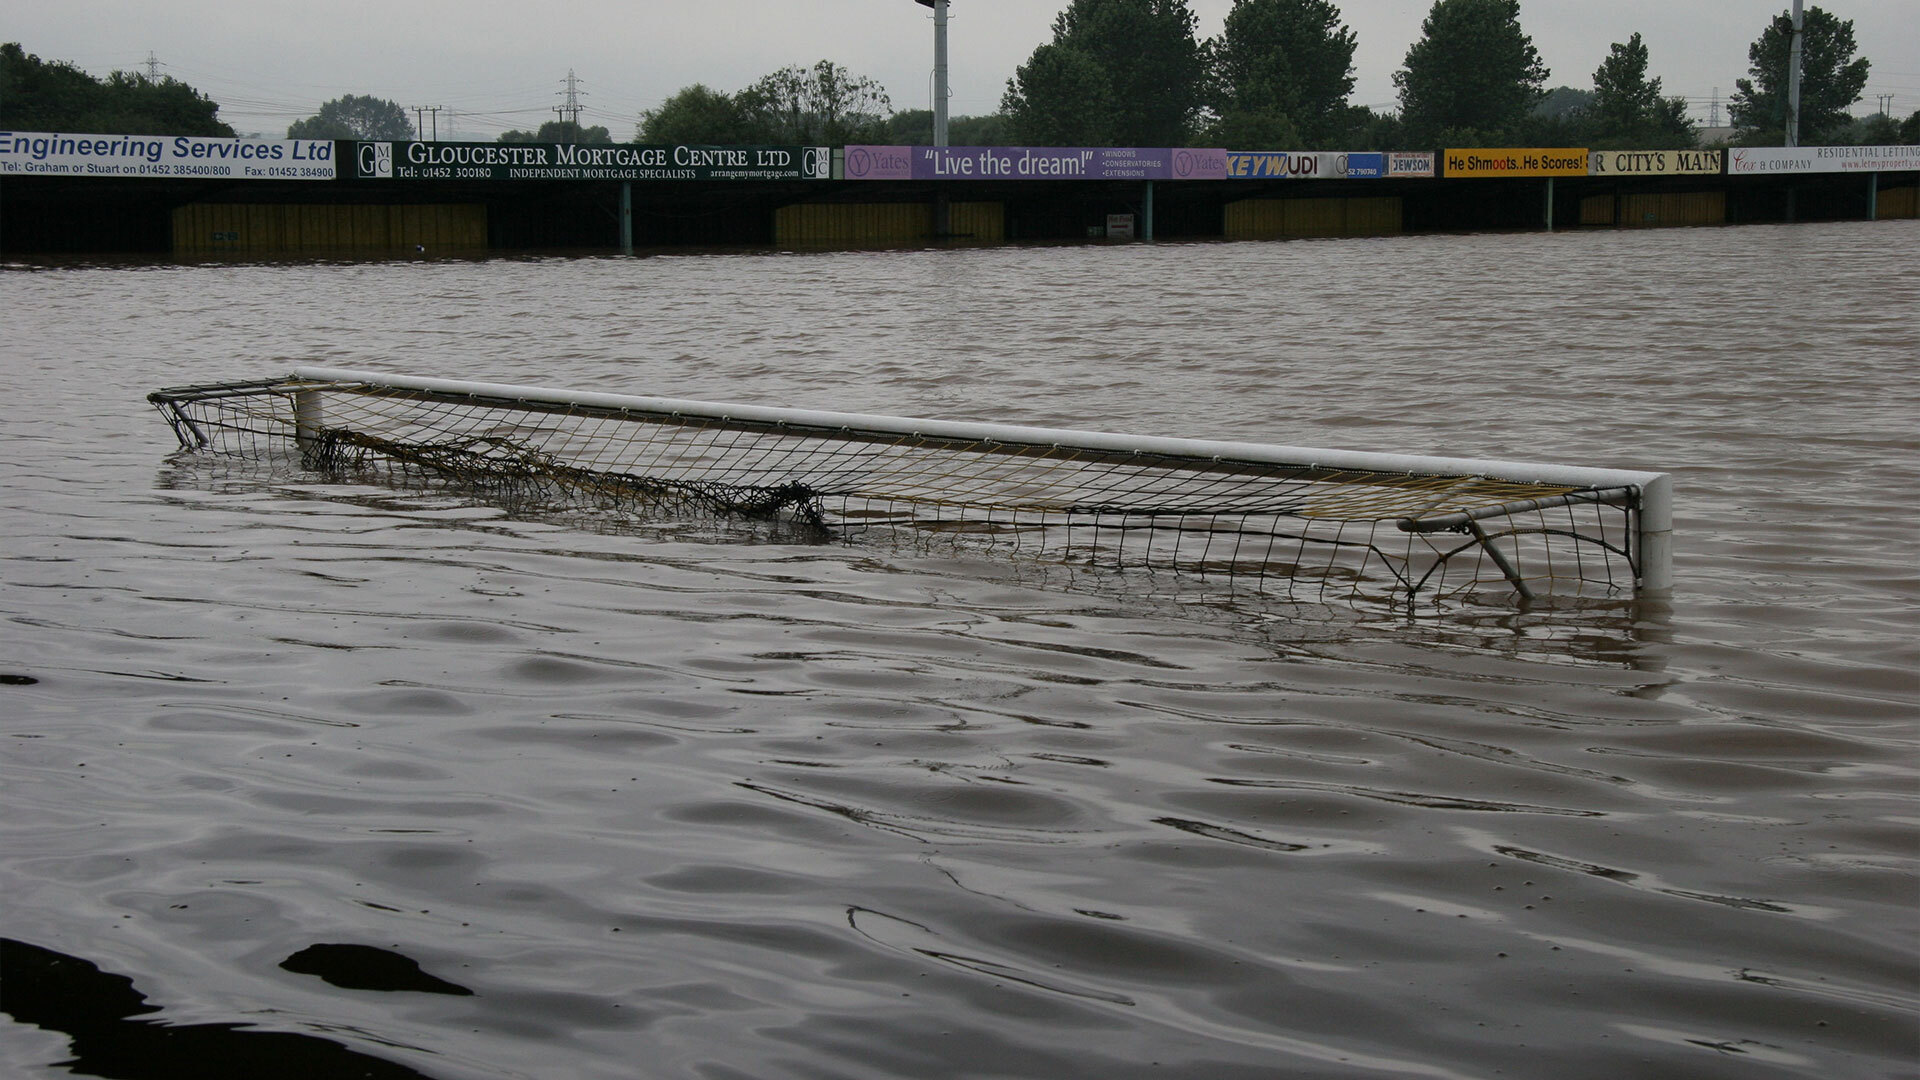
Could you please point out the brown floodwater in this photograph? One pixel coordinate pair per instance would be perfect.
(670, 799)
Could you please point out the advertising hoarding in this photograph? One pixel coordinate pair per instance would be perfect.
(1765, 160)
(582, 161)
(1404, 164)
(1655, 162)
(1033, 163)
(38, 153)
(1306, 165)
(1516, 162)
(1286, 165)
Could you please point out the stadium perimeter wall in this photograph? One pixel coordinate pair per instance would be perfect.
(1267, 195)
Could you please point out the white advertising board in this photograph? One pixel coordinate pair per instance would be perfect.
(39, 153)
(1765, 160)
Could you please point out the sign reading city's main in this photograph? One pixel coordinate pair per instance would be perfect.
(583, 161)
(1033, 163)
(41, 153)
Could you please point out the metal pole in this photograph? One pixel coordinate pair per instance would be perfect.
(626, 217)
(1793, 76)
(939, 72)
(1873, 196)
(1146, 213)
(1549, 204)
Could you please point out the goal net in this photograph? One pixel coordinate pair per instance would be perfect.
(1321, 523)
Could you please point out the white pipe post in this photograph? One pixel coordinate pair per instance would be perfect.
(309, 420)
(1656, 537)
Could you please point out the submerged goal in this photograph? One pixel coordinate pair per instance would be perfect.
(1321, 522)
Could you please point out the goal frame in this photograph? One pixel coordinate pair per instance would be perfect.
(1648, 494)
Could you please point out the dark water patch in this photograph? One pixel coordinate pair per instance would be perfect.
(366, 967)
(96, 1010)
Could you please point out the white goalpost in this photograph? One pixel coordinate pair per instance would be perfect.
(1325, 521)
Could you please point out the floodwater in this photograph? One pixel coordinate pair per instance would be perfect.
(305, 777)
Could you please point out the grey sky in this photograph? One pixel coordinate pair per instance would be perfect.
(495, 64)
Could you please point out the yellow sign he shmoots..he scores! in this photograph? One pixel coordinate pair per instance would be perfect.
(1488, 163)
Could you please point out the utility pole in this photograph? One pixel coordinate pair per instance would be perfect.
(420, 121)
(1793, 75)
(1713, 116)
(153, 67)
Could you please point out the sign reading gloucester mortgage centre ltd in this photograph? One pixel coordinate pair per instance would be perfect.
(583, 161)
(28, 153)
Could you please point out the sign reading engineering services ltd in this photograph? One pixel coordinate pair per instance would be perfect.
(28, 153)
(579, 161)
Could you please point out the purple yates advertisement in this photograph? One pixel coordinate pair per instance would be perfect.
(1033, 163)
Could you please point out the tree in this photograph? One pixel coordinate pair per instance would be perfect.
(1281, 64)
(1473, 75)
(559, 131)
(1831, 80)
(1629, 112)
(1878, 129)
(824, 105)
(1060, 97)
(40, 96)
(1910, 130)
(914, 127)
(698, 114)
(354, 117)
(1117, 72)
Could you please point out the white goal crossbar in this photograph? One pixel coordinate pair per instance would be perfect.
(1230, 507)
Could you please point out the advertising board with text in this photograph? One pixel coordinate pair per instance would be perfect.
(1655, 162)
(1405, 164)
(1033, 163)
(39, 153)
(583, 161)
(1506, 164)
(1764, 160)
(1303, 165)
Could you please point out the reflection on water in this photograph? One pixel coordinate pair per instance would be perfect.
(675, 798)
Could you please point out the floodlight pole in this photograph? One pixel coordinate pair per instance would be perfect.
(1794, 52)
(939, 72)
(939, 69)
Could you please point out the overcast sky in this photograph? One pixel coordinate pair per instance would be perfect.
(496, 64)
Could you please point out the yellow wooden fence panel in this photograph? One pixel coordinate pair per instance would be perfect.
(265, 229)
(1900, 202)
(859, 224)
(1275, 219)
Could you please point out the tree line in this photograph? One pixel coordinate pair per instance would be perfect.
(1133, 73)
